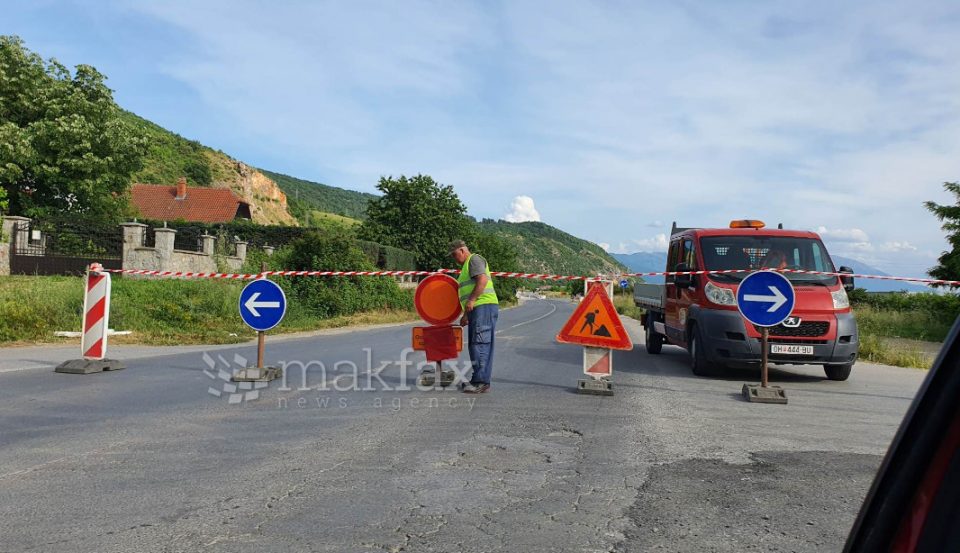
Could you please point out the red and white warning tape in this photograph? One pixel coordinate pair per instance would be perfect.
(533, 276)
(241, 276)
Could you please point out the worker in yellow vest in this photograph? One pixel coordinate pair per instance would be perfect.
(480, 311)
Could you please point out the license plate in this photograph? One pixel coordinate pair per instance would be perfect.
(790, 349)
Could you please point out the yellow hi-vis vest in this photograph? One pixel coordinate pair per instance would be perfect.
(467, 285)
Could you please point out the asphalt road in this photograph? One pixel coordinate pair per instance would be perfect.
(147, 459)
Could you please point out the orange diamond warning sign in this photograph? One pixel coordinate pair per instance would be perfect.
(595, 323)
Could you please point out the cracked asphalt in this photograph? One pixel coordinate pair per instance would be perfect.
(147, 459)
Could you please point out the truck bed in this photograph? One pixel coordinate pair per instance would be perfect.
(649, 296)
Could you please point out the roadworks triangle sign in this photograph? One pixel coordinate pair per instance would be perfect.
(595, 323)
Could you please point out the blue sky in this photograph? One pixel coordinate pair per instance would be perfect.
(612, 118)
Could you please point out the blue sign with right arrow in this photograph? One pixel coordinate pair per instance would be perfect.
(765, 298)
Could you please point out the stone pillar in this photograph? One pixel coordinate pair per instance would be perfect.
(208, 243)
(241, 249)
(133, 234)
(132, 239)
(268, 250)
(164, 239)
(9, 222)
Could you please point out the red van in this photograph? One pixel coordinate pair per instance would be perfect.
(699, 312)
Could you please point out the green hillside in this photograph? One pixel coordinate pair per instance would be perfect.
(546, 249)
(170, 156)
(305, 196)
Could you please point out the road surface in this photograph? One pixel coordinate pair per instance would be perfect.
(147, 459)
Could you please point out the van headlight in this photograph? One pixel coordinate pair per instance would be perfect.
(718, 295)
(840, 299)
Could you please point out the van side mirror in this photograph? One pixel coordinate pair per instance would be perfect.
(847, 281)
(682, 281)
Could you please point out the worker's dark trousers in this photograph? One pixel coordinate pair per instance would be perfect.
(483, 326)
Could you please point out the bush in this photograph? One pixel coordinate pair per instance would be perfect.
(371, 250)
(916, 316)
(945, 305)
(396, 259)
(338, 295)
(198, 171)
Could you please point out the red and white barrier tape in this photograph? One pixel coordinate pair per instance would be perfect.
(533, 276)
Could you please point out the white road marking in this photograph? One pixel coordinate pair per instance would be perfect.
(553, 310)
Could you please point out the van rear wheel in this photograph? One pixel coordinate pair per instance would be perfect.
(838, 372)
(653, 339)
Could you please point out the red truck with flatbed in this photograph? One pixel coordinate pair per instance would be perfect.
(699, 312)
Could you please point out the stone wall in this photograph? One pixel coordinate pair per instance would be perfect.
(163, 257)
(4, 259)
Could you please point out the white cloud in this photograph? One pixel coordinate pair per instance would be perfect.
(604, 245)
(898, 247)
(522, 209)
(658, 243)
(854, 235)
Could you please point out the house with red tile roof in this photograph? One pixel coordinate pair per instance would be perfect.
(188, 203)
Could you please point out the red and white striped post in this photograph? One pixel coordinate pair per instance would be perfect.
(96, 313)
(96, 322)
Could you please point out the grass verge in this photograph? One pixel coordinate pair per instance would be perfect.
(158, 312)
(895, 323)
(875, 349)
(886, 335)
(626, 307)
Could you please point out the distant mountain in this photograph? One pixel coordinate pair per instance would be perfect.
(872, 284)
(646, 262)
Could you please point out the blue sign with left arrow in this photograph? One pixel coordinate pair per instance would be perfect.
(765, 298)
(262, 304)
(624, 283)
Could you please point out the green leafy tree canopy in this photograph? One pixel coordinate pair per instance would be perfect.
(949, 215)
(419, 215)
(63, 147)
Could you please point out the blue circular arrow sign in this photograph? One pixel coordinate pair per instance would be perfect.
(765, 298)
(624, 283)
(262, 304)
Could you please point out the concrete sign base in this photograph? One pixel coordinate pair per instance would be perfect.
(257, 374)
(595, 386)
(755, 393)
(88, 366)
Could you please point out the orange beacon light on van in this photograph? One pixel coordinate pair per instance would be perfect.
(747, 223)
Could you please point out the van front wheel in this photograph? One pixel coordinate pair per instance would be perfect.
(698, 357)
(838, 372)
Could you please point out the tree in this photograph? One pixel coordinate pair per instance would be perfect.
(419, 215)
(63, 147)
(501, 256)
(198, 171)
(949, 267)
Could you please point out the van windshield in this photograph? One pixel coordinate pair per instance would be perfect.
(752, 253)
